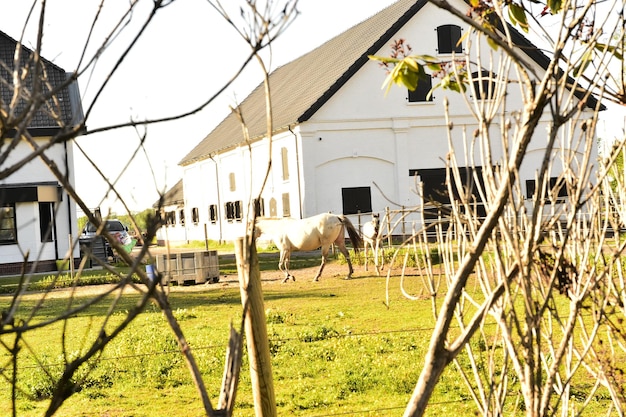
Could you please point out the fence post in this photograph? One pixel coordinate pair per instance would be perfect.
(389, 229)
(256, 329)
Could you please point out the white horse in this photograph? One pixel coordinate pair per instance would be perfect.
(372, 236)
(315, 232)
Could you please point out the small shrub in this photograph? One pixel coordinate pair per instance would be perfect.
(321, 333)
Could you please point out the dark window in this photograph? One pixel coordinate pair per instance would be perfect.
(259, 207)
(195, 215)
(556, 190)
(286, 205)
(422, 91)
(213, 213)
(448, 37)
(229, 208)
(181, 214)
(170, 218)
(483, 85)
(238, 211)
(46, 223)
(8, 231)
(435, 190)
(233, 211)
(356, 200)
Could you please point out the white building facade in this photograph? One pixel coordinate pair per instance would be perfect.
(38, 221)
(343, 145)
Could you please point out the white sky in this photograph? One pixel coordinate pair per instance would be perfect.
(184, 58)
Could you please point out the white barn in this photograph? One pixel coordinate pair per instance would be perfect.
(37, 217)
(339, 143)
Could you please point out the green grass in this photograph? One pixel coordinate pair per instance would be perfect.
(336, 348)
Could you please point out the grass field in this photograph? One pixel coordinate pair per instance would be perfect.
(337, 349)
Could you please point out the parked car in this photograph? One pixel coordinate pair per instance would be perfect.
(115, 228)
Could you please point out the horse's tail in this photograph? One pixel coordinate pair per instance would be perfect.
(355, 237)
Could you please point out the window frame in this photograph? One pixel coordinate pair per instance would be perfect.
(486, 80)
(553, 183)
(213, 214)
(195, 215)
(353, 197)
(421, 93)
(8, 224)
(448, 40)
(286, 205)
(284, 154)
(46, 222)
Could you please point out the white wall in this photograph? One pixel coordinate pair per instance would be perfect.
(27, 213)
(363, 137)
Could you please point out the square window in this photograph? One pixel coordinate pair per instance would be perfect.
(422, 91)
(356, 200)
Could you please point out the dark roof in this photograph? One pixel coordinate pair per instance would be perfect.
(302, 86)
(173, 196)
(66, 103)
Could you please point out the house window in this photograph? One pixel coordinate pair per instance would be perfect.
(233, 211)
(231, 181)
(273, 208)
(259, 207)
(195, 215)
(238, 211)
(556, 191)
(356, 200)
(448, 37)
(213, 213)
(421, 93)
(286, 205)
(483, 85)
(46, 223)
(285, 160)
(435, 189)
(229, 208)
(8, 231)
(170, 218)
(181, 216)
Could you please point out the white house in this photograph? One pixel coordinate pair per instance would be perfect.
(339, 143)
(37, 217)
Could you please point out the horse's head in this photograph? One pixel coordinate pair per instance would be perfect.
(376, 218)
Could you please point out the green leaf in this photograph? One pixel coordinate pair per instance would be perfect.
(492, 43)
(555, 6)
(610, 48)
(518, 15)
(586, 60)
(384, 59)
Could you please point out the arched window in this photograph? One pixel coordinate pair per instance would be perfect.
(213, 213)
(195, 215)
(448, 37)
(483, 84)
(273, 207)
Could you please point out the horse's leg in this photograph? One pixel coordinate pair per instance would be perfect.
(283, 264)
(381, 248)
(287, 261)
(346, 254)
(376, 249)
(324, 256)
(365, 251)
